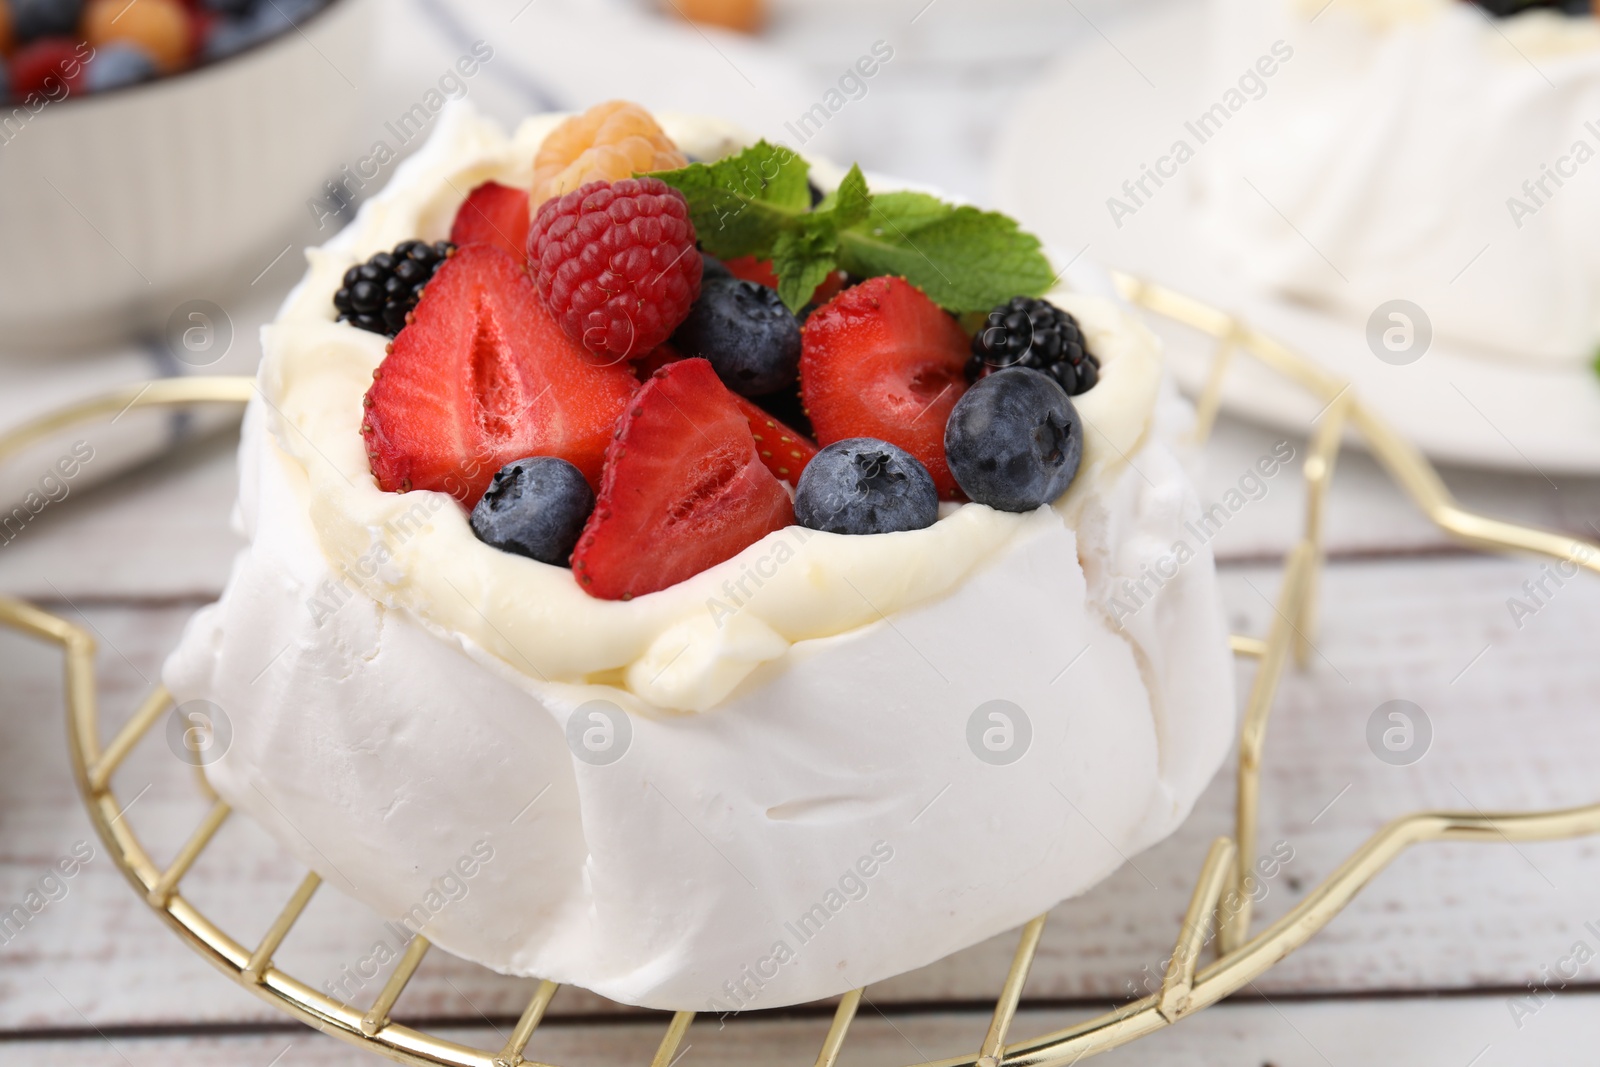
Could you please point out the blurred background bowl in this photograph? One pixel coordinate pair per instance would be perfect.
(117, 207)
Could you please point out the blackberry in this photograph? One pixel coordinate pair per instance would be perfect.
(1025, 332)
(378, 295)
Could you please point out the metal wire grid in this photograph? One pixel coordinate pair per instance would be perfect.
(1186, 987)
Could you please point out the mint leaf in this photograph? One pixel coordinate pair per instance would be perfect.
(739, 205)
(804, 256)
(963, 258)
(851, 203)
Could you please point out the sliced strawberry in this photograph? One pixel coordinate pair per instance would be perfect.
(483, 376)
(684, 488)
(751, 269)
(784, 450)
(494, 214)
(882, 360)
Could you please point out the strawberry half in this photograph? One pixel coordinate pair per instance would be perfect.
(882, 360)
(784, 450)
(483, 376)
(684, 488)
(494, 214)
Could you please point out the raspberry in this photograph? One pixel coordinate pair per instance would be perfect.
(608, 142)
(616, 263)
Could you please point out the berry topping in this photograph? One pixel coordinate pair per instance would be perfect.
(882, 360)
(32, 20)
(684, 488)
(493, 214)
(46, 65)
(1015, 440)
(160, 27)
(536, 508)
(379, 294)
(864, 486)
(746, 333)
(1025, 332)
(608, 142)
(117, 65)
(616, 263)
(481, 377)
(784, 450)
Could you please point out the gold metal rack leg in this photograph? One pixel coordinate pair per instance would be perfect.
(1179, 979)
(131, 734)
(839, 1028)
(1005, 1008)
(667, 1052)
(1252, 737)
(532, 1016)
(167, 884)
(1210, 399)
(1318, 474)
(261, 958)
(378, 1016)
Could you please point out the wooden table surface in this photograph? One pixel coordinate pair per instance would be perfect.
(1431, 966)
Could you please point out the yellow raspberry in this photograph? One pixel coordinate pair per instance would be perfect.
(609, 142)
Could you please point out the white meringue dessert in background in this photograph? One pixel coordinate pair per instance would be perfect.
(1422, 151)
(826, 761)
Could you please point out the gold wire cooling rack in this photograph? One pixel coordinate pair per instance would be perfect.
(1186, 987)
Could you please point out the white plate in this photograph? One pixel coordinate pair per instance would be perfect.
(1117, 104)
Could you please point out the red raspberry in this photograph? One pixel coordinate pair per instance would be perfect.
(616, 263)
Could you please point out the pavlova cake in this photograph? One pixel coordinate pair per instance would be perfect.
(1436, 151)
(716, 569)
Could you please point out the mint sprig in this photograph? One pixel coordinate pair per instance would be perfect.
(757, 203)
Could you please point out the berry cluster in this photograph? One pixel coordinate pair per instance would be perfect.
(96, 45)
(600, 394)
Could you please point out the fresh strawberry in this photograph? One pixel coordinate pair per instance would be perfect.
(882, 360)
(494, 214)
(784, 450)
(483, 376)
(751, 269)
(684, 488)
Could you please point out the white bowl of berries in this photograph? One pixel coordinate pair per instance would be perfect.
(152, 150)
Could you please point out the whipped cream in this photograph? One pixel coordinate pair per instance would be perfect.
(1386, 156)
(805, 798)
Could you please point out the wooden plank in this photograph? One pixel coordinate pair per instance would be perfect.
(1455, 1032)
(1516, 729)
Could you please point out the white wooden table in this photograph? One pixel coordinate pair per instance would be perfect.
(1428, 968)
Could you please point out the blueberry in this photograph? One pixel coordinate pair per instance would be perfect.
(865, 486)
(117, 65)
(712, 267)
(258, 22)
(536, 508)
(746, 333)
(1014, 440)
(32, 19)
(230, 8)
